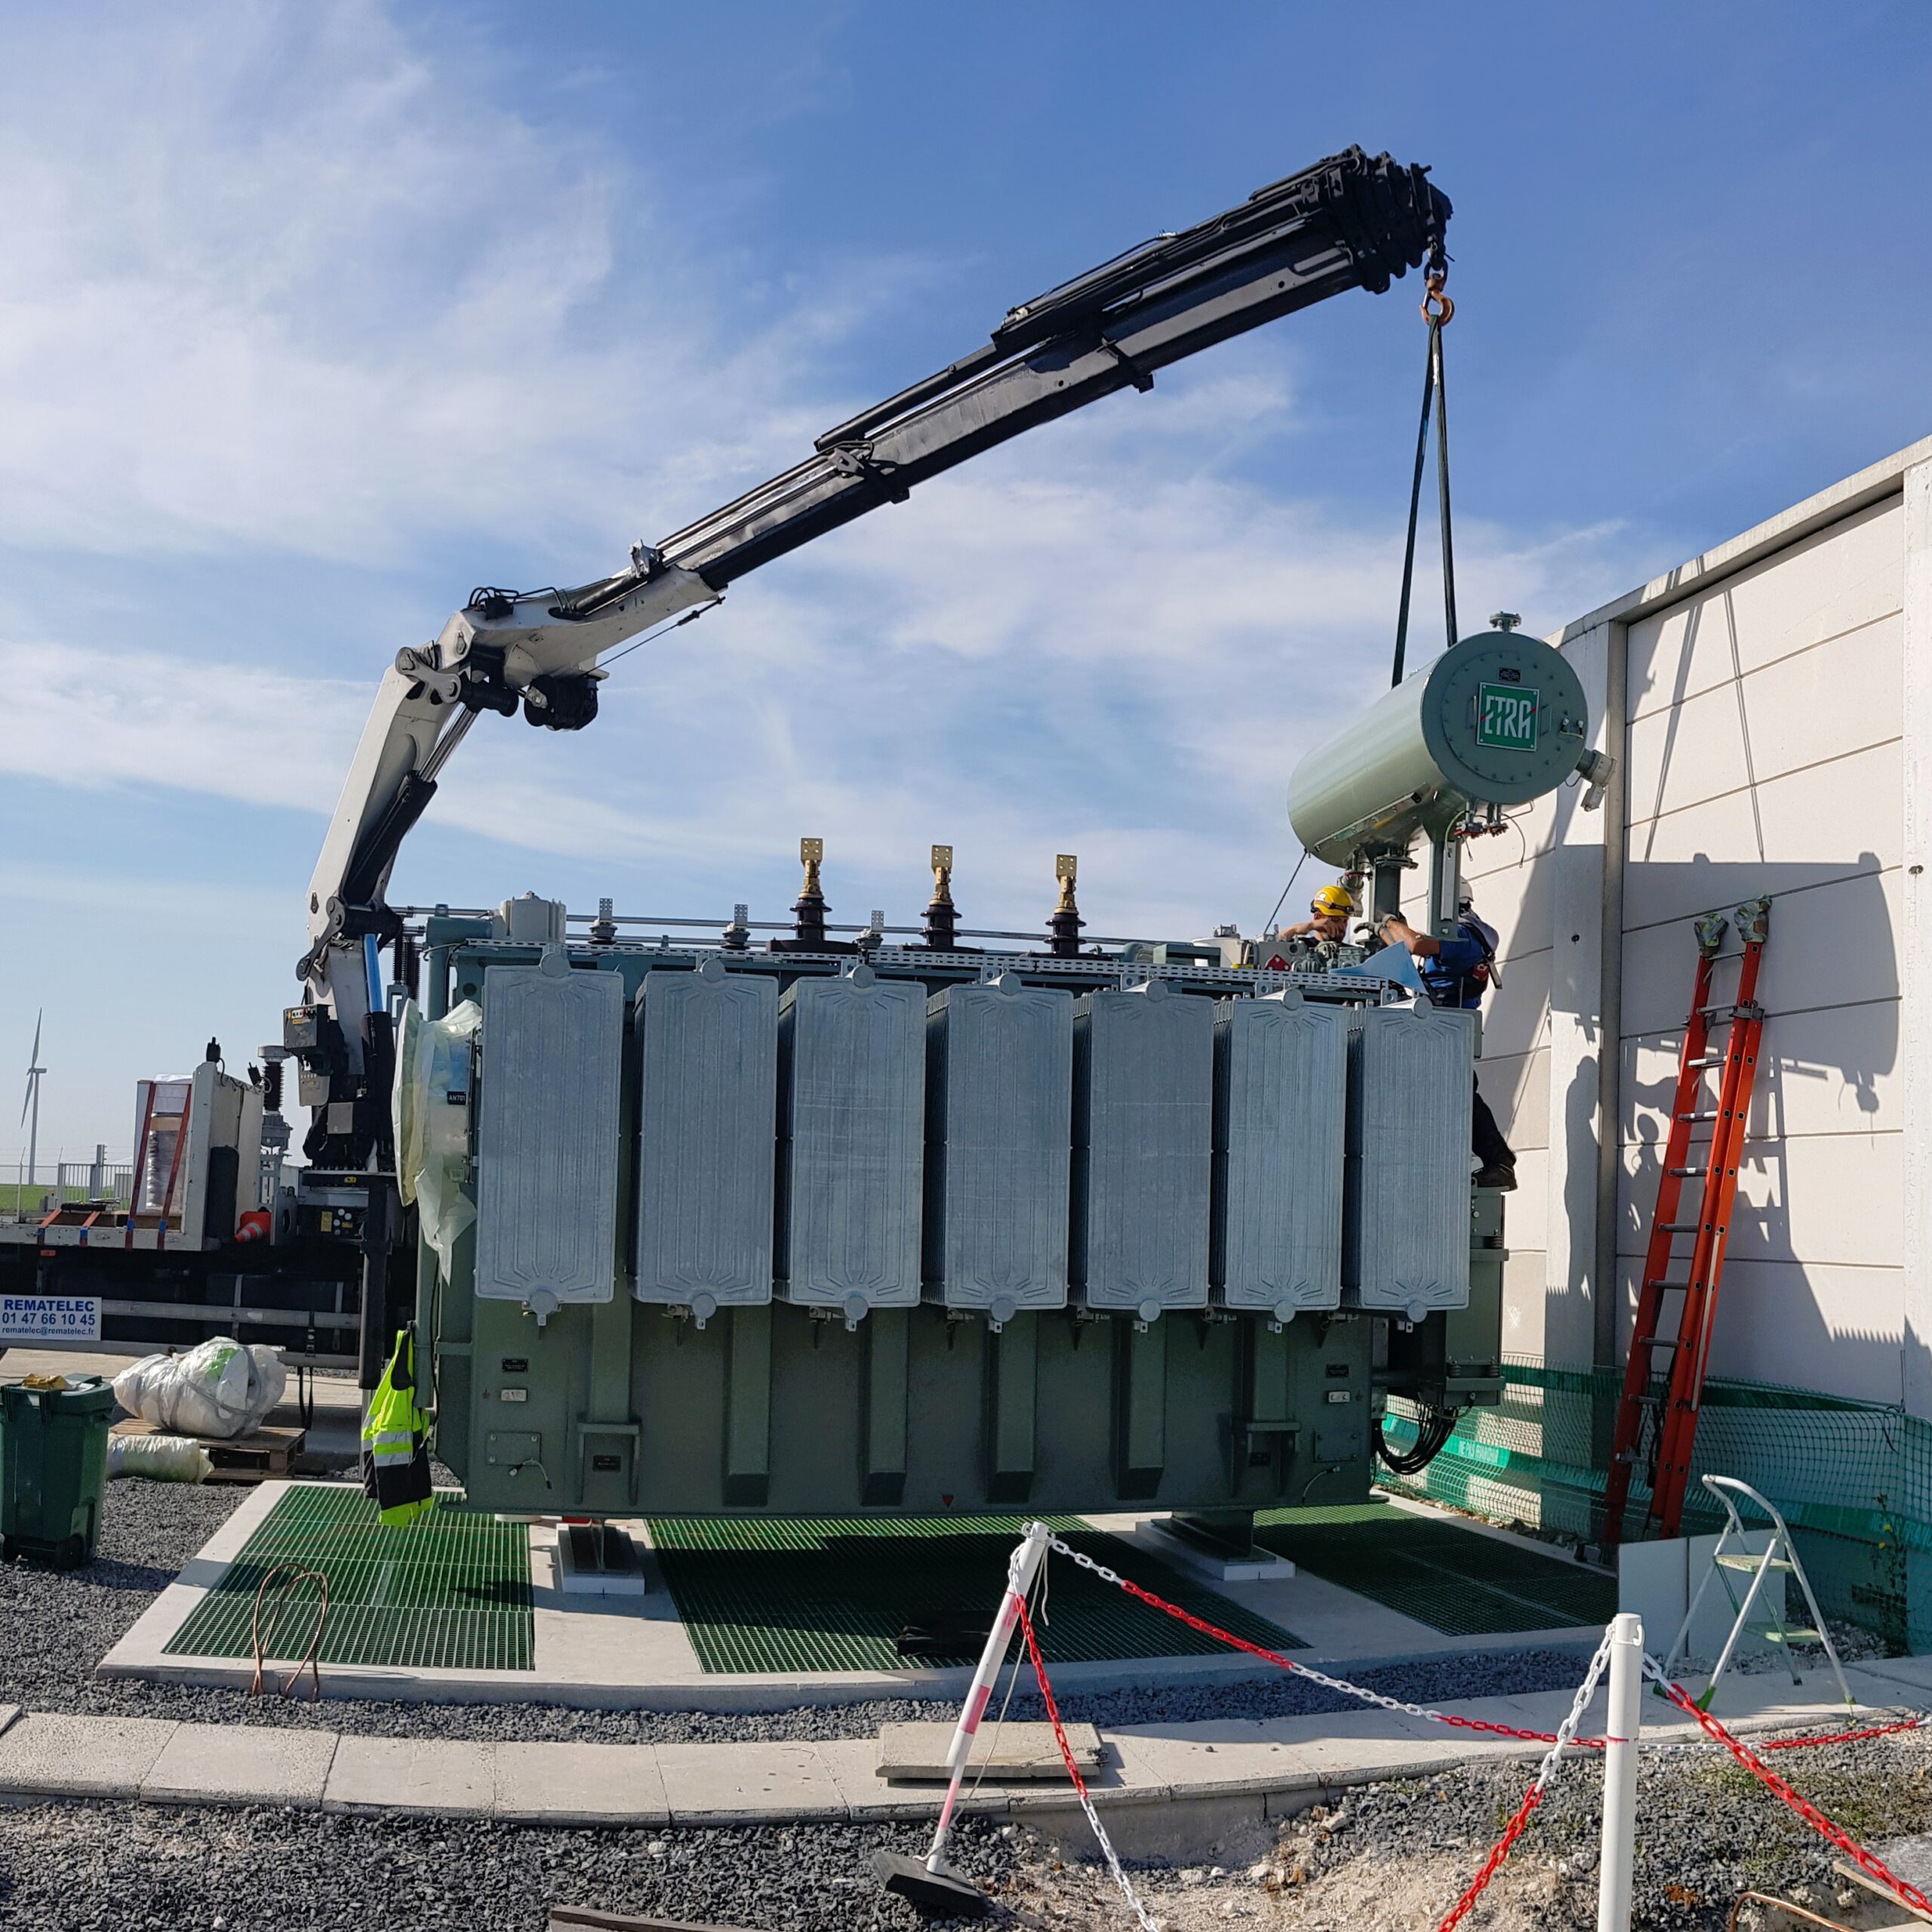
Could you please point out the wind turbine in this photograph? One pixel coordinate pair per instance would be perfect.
(31, 1104)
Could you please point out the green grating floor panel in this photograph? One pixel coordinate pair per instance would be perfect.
(449, 1592)
(816, 1594)
(1455, 1580)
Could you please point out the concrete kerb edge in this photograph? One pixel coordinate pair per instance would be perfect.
(1281, 1794)
(745, 1694)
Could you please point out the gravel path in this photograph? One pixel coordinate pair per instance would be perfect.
(55, 1627)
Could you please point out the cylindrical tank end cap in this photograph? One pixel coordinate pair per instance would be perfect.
(856, 1307)
(704, 1305)
(1417, 1311)
(1285, 1312)
(1002, 1308)
(1149, 1311)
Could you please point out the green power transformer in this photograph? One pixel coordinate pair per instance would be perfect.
(707, 1228)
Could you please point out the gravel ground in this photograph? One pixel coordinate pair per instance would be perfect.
(1394, 1857)
(55, 1627)
(1390, 1858)
(124, 1868)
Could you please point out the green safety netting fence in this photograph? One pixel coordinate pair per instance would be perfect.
(1853, 1479)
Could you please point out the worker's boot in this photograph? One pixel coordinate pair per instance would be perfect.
(1499, 1175)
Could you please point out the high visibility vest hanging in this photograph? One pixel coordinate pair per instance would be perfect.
(395, 1447)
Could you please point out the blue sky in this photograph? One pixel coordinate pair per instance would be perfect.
(314, 316)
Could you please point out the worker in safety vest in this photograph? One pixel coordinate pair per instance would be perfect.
(1457, 971)
(395, 1444)
(1331, 907)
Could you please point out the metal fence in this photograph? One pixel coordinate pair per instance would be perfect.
(74, 1183)
(1853, 1479)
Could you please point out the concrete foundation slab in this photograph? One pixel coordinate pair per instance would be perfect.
(580, 1784)
(1887, 1677)
(425, 1776)
(853, 1766)
(737, 1788)
(240, 1763)
(8, 1712)
(53, 1756)
(634, 1653)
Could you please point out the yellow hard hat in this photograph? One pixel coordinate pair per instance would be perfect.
(1333, 900)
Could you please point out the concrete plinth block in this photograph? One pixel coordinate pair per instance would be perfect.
(915, 1753)
(73, 1757)
(580, 1784)
(8, 1712)
(1158, 1536)
(589, 1564)
(433, 1778)
(748, 1786)
(240, 1763)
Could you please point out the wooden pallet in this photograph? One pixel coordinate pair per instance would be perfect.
(267, 1455)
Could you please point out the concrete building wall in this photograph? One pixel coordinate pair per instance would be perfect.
(1770, 706)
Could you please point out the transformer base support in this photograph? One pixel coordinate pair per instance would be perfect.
(1217, 1546)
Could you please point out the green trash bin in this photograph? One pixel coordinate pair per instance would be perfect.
(54, 1469)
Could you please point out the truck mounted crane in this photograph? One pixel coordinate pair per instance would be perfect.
(1350, 221)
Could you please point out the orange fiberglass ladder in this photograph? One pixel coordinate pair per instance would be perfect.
(1703, 1218)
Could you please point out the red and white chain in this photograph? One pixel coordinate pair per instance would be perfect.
(1565, 1732)
(1916, 1721)
(1099, 1831)
(1341, 1684)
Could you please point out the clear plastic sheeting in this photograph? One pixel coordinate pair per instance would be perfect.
(223, 1389)
(158, 1458)
(431, 1108)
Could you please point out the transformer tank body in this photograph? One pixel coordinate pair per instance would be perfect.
(673, 1393)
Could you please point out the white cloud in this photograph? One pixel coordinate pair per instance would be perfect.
(301, 287)
(92, 718)
(315, 288)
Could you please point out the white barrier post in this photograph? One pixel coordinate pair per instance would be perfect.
(1621, 1723)
(1021, 1568)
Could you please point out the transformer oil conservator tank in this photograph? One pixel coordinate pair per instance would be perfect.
(1499, 718)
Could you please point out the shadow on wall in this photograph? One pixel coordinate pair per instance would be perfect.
(1831, 946)
(1830, 984)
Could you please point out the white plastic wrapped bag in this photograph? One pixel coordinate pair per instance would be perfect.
(159, 1458)
(430, 1105)
(220, 1389)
